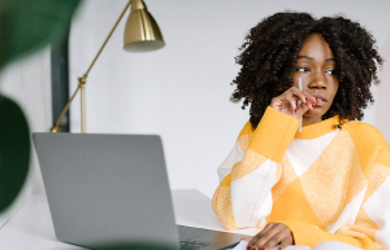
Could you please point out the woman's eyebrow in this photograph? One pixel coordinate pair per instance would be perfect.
(305, 57)
(312, 58)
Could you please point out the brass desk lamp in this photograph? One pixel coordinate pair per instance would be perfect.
(141, 34)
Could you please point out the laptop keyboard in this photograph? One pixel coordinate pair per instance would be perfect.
(192, 245)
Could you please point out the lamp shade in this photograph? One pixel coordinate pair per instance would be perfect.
(142, 33)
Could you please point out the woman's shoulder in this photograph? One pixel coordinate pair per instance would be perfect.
(364, 133)
(245, 136)
(361, 128)
(370, 144)
(247, 130)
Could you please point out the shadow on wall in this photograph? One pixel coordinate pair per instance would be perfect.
(382, 97)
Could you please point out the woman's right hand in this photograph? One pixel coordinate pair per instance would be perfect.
(288, 102)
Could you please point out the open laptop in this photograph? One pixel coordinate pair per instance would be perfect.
(105, 189)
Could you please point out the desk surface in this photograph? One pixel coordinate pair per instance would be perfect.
(31, 226)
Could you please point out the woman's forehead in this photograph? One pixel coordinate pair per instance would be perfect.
(315, 47)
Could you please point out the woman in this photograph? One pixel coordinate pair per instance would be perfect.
(328, 182)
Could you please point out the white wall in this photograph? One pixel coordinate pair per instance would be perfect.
(382, 118)
(182, 91)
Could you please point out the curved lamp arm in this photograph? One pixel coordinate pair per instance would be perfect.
(83, 80)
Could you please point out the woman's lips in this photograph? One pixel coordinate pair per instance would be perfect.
(321, 99)
(320, 102)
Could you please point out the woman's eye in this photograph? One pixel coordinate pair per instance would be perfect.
(331, 72)
(302, 69)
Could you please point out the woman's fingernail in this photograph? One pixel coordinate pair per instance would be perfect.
(280, 248)
(248, 247)
(306, 100)
(263, 248)
(254, 248)
(314, 107)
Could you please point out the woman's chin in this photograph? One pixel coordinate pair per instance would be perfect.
(314, 113)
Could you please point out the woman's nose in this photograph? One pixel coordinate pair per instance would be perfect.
(318, 81)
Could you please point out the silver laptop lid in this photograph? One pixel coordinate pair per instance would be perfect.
(106, 188)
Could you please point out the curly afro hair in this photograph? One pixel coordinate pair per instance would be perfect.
(268, 57)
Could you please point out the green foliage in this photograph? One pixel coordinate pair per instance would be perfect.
(27, 25)
(14, 151)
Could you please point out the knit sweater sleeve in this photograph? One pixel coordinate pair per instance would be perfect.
(371, 229)
(243, 198)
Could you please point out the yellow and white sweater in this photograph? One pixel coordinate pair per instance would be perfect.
(324, 183)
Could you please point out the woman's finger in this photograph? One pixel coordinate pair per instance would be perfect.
(261, 239)
(288, 240)
(310, 104)
(293, 100)
(310, 97)
(257, 237)
(280, 233)
(300, 94)
(303, 109)
(288, 101)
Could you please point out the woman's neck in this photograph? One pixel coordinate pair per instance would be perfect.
(310, 120)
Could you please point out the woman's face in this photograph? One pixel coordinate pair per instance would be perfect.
(316, 66)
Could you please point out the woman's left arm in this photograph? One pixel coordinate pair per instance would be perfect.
(371, 229)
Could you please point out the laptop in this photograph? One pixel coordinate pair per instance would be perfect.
(104, 189)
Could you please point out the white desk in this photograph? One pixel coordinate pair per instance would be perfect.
(31, 226)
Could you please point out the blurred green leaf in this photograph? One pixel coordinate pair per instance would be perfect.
(25, 27)
(14, 151)
(28, 25)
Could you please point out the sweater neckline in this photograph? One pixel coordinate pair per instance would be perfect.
(318, 129)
